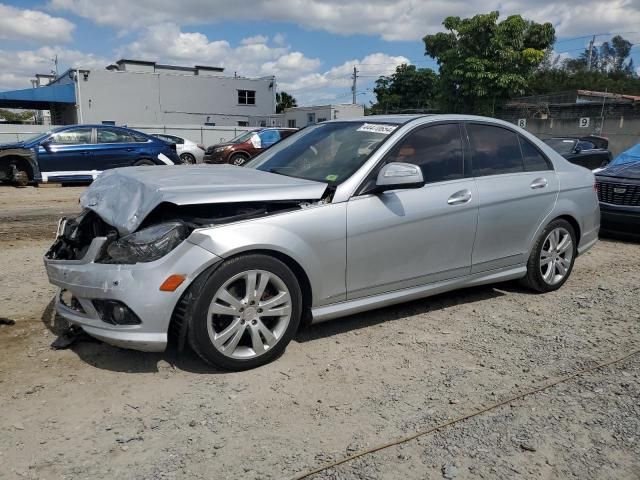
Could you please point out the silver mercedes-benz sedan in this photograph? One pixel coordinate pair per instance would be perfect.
(339, 218)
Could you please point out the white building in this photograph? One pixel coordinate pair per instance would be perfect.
(298, 117)
(142, 92)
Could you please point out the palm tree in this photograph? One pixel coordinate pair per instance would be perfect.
(284, 100)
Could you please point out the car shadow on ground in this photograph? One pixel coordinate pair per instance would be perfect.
(400, 311)
(106, 357)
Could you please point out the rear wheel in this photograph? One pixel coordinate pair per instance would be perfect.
(238, 159)
(188, 158)
(552, 257)
(143, 162)
(247, 312)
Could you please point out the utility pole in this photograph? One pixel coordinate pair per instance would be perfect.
(54, 60)
(593, 40)
(353, 86)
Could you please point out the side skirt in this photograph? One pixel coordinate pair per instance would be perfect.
(350, 307)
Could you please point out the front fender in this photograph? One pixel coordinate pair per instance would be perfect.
(314, 237)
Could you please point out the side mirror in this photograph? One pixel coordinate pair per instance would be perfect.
(46, 143)
(399, 175)
(577, 149)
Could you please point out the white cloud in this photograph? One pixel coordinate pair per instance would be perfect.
(20, 66)
(398, 20)
(24, 24)
(335, 83)
(255, 56)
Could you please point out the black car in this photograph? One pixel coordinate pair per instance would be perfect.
(618, 188)
(590, 152)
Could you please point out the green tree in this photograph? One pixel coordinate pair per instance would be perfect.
(611, 58)
(612, 70)
(484, 62)
(407, 89)
(16, 117)
(284, 100)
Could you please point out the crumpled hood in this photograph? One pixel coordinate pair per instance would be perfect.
(124, 197)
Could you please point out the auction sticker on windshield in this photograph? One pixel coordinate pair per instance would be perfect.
(377, 128)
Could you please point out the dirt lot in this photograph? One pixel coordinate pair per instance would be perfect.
(99, 412)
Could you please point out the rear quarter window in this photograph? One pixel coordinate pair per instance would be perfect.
(534, 160)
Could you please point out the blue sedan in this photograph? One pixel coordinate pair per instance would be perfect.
(80, 153)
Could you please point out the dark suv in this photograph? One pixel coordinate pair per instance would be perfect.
(239, 150)
(80, 153)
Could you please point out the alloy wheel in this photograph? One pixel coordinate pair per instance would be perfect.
(249, 314)
(556, 256)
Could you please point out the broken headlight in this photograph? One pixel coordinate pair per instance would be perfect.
(146, 245)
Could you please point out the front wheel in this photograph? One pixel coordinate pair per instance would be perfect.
(552, 257)
(247, 312)
(238, 159)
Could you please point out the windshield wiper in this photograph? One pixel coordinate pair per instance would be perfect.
(278, 172)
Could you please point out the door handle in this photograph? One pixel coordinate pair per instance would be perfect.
(129, 149)
(539, 183)
(463, 196)
(85, 152)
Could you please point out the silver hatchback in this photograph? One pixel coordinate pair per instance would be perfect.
(339, 218)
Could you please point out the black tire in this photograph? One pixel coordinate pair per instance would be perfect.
(534, 278)
(143, 162)
(188, 158)
(198, 334)
(238, 159)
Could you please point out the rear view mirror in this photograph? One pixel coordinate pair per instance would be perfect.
(399, 175)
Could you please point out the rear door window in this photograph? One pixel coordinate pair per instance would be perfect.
(436, 149)
(495, 150)
(108, 135)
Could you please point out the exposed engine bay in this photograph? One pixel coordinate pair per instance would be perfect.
(161, 231)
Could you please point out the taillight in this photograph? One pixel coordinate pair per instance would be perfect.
(596, 186)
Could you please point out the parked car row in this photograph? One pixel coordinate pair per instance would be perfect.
(342, 217)
(80, 153)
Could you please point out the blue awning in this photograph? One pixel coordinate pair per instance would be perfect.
(39, 98)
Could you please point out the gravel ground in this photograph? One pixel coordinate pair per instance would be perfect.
(95, 411)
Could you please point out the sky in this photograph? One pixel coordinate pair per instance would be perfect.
(310, 46)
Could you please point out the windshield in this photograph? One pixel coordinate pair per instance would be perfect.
(327, 152)
(242, 137)
(561, 145)
(37, 136)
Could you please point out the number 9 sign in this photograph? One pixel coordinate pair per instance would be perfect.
(583, 122)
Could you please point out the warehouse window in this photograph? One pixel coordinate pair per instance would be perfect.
(291, 123)
(247, 97)
(243, 124)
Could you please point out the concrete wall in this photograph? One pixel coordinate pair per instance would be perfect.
(622, 133)
(197, 133)
(620, 123)
(144, 97)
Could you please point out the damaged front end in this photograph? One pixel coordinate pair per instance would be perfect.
(163, 230)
